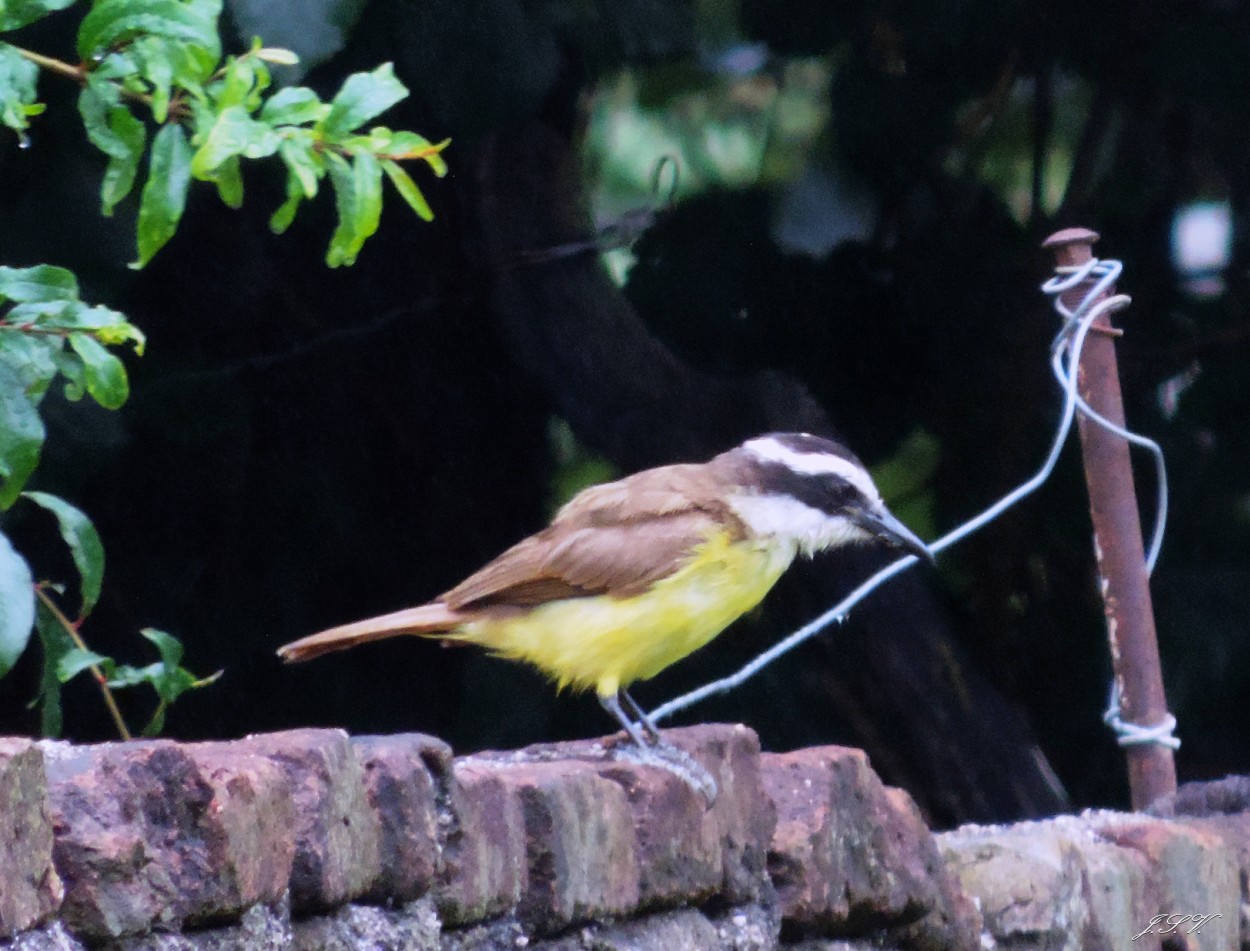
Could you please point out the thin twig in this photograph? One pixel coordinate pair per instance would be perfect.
(79, 75)
(53, 65)
(100, 679)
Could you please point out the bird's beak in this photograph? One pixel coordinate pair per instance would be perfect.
(888, 528)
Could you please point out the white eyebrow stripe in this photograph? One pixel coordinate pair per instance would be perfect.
(814, 463)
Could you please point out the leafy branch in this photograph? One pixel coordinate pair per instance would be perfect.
(48, 333)
(163, 60)
(155, 84)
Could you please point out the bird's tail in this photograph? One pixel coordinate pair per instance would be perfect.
(434, 618)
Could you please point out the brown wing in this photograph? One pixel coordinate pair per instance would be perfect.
(618, 538)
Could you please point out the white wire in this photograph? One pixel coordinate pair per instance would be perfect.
(1069, 342)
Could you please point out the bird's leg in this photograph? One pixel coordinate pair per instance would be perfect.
(652, 750)
(653, 732)
(612, 704)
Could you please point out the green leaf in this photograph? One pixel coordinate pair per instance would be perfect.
(18, 79)
(124, 675)
(75, 660)
(103, 373)
(32, 358)
(118, 134)
(40, 283)
(277, 56)
(168, 646)
(408, 189)
(358, 198)
(70, 366)
(243, 75)
(303, 164)
(84, 545)
(233, 133)
(294, 106)
(114, 22)
(56, 644)
(192, 66)
(15, 14)
(165, 193)
(17, 605)
(106, 325)
(21, 435)
(229, 183)
(409, 145)
(281, 219)
(156, 65)
(363, 96)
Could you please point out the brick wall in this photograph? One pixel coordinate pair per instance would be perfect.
(315, 840)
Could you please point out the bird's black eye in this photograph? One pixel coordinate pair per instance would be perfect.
(839, 492)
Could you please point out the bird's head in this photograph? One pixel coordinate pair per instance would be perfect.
(811, 492)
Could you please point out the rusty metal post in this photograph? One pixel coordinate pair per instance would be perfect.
(1118, 546)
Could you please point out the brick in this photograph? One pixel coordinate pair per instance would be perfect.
(252, 804)
(30, 890)
(1234, 831)
(1054, 884)
(846, 855)
(579, 844)
(485, 871)
(407, 778)
(743, 812)
(156, 834)
(1191, 871)
(337, 835)
(687, 849)
(953, 921)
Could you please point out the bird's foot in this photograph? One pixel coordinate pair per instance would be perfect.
(665, 756)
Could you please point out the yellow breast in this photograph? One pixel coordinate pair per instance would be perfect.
(607, 643)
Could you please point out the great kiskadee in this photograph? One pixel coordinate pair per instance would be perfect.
(633, 575)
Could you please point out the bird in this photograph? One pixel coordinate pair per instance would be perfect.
(633, 575)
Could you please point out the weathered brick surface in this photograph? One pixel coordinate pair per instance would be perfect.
(743, 813)
(850, 855)
(1220, 807)
(485, 872)
(30, 890)
(337, 836)
(953, 921)
(579, 841)
(1190, 871)
(157, 834)
(572, 847)
(688, 849)
(407, 779)
(1055, 884)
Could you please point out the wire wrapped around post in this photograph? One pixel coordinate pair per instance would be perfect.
(1118, 546)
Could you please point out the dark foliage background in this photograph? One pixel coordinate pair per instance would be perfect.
(306, 446)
